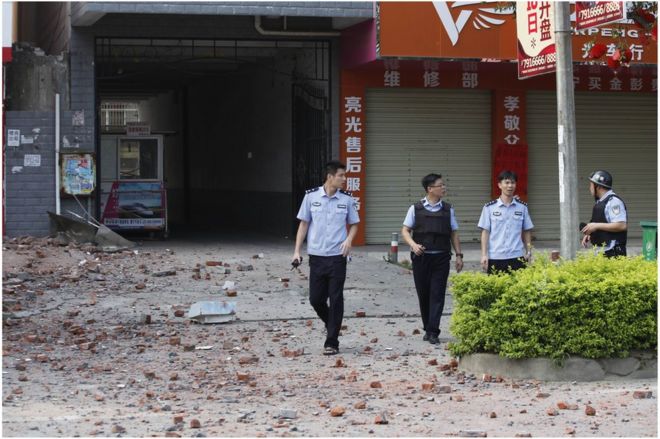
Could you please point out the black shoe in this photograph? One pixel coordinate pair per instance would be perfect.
(426, 337)
(433, 339)
(329, 350)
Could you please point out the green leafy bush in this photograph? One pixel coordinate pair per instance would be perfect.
(592, 306)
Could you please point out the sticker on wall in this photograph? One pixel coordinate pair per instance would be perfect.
(27, 140)
(32, 160)
(66, 143)
(16, 169)
(78, 119)
(13, 137)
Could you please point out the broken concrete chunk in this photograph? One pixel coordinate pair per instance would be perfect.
(472, 433)
(288, 414)
(212, 312)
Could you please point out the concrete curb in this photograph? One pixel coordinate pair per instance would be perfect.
(638, 365)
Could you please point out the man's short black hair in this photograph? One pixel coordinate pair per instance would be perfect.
(507, 175)
(333, 166)
(429, 180)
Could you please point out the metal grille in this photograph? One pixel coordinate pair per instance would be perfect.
(118, 114)
(311, 142)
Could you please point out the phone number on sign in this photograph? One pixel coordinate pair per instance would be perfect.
(599, 10)
(539, 60)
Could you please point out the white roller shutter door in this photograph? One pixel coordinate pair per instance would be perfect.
(413, 132)
(615, 132)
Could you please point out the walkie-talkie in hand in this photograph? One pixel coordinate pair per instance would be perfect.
(296, 263)
(582, 226)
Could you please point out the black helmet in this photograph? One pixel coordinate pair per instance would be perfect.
(602, 178)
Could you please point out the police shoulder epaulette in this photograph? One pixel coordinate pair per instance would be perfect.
(314, 189)
(519, 200)
(346, 192)
(490, 203)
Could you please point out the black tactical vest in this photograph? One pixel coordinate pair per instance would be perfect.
(601, 237)
(433, 229)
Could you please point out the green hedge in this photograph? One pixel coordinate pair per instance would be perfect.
(592, 306)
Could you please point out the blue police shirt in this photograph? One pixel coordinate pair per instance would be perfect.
(327, 217)
(505, 225)
(615, 211)
(409, 221)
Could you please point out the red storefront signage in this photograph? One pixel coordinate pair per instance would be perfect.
(483, 30)
(509, 142)
(509, 138)
(537, 54)
(592, 14)
(352, 141)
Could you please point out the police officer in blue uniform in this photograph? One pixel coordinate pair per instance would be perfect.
(506, 229)
(430, 229)
(324, 213)
(609, 219)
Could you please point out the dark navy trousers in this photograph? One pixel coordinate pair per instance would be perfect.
(430, 272)
(326, 293)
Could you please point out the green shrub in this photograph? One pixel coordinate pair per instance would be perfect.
(592, 306)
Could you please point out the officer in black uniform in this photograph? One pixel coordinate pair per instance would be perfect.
(434, 229)
(609, 219)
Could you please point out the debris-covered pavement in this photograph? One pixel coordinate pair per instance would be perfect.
(99, 344)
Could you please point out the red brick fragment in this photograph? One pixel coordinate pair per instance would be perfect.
(337, 411)
(381, 419)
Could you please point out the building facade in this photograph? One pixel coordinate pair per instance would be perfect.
(233, 107)
(432, 88)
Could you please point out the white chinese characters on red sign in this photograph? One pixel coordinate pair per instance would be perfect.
(536, 38)
(512, 118)
(353, 137)
(592, 14)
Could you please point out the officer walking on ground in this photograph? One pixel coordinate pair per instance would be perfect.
(434, 230)
(609, 219)
(324, 213)
(506, 229)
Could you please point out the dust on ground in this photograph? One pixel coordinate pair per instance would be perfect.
(97, 344)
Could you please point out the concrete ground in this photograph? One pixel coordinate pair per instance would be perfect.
(79, 359)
